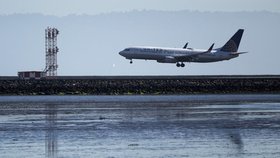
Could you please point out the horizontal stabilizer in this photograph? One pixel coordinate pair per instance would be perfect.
(237, 53)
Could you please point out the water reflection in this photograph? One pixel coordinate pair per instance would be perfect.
(234, 135)
(51, 147)
(236, 139)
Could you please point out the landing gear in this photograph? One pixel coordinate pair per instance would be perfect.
(180, 64)
(130, 62)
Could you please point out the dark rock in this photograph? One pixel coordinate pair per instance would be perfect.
(139, 86)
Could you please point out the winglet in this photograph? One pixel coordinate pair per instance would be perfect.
(185, 46)
(210, 49)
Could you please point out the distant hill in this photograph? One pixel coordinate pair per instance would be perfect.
(89, 45)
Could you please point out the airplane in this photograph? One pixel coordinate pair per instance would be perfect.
(185, 54)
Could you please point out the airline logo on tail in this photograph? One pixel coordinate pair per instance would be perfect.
(233, 43)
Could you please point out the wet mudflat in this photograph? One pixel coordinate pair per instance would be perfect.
(140, 126)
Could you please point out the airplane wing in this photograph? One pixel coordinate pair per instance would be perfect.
(190, 56)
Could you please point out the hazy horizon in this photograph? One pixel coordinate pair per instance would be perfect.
(95, 7)
(139, 11)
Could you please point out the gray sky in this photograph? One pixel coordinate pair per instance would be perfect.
(65, 7)
(24, 34)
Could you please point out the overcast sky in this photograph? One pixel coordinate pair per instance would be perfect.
(23, 41)
(92, 7)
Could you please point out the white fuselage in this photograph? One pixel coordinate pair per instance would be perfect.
(173, 55)
(181, 55)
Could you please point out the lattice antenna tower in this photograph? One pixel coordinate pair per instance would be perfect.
(51, 51)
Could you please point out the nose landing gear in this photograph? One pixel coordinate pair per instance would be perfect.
(130, 62)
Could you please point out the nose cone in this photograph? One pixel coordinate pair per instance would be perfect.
(122, 53)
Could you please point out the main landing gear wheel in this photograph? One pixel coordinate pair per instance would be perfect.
(130, 62)
(180, 64)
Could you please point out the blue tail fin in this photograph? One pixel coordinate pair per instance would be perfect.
(233, 43)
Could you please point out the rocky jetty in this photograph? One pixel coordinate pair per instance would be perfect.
(141, 85)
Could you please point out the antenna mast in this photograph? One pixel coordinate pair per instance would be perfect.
(51, 51)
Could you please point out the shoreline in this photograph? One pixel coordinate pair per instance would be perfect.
(127, 99)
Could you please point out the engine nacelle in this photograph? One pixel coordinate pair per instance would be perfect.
(167, 60)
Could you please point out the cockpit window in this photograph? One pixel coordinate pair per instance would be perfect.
(127, 49)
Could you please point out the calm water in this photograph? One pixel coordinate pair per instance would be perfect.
(140, 126)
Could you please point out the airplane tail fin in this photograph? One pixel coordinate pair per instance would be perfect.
(233, 43)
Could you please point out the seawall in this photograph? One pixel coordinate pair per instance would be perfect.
(121, 85)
